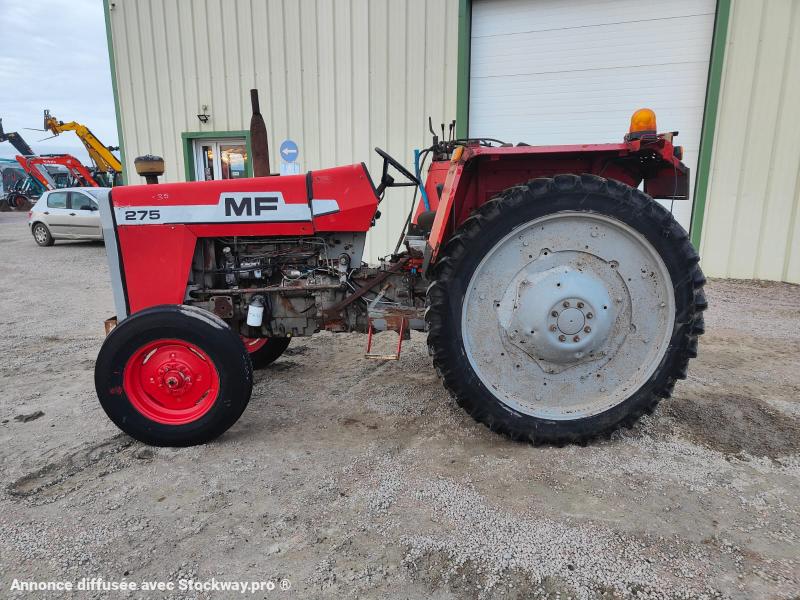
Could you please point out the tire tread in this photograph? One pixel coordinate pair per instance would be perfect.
(446, 358)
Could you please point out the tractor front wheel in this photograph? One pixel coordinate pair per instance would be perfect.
(265, 351)
(565, 308)
(173, 376)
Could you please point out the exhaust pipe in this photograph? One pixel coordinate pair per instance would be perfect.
(258, 139)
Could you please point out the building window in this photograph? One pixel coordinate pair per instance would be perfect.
(222, 158)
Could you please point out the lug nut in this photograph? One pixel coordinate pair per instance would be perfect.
(577, 338)
(580, 304)
(589, 315)
(562, 338)
(554, 313)
(566, 304)
(587, 329)
(552, 327)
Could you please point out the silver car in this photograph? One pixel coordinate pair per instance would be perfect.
(67, 214)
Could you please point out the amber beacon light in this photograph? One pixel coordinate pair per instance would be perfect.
(643, 122)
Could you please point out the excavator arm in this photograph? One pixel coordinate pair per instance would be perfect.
(36, 167)
(16, 140)
(101, 155)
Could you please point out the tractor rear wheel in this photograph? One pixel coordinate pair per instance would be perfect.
(173, 376)
(565, 308)
(265, 351)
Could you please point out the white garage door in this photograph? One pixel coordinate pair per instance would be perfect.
(573, 71)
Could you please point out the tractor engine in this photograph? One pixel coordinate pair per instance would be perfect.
(295, 286)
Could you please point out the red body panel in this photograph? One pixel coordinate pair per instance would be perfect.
(354, 184)
(157, 251)
(158, 225)
(157, 260)
(436, 178)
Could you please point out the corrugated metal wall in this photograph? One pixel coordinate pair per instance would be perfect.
(751, 227)
(337, 76)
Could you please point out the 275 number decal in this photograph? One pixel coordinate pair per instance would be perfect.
(141, 215)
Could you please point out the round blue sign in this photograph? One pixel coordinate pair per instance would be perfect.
(289, 151)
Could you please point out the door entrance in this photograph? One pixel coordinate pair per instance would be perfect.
(220, 159)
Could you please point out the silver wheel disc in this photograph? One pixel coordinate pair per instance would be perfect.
(568, 315)
(40, 235)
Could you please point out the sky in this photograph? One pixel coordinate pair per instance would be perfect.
(53, 54)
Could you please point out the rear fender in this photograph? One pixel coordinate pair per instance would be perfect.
(444, 221)
(482, 173)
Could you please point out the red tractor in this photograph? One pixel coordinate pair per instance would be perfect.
(560, 301)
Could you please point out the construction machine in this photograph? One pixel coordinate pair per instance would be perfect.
(16, 140)
(9, 196)
(560, 301)
(108, 168)
(47, 172)
(51, 171)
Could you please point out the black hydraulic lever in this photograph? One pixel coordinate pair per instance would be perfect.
(433, 133)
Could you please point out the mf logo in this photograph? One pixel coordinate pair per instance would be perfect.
(249, 206)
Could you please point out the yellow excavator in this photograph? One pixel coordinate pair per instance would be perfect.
(107, 166)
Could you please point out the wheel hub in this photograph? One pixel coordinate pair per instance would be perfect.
(171, 381)
(567, 315)
(559, 316)
(570, 321)
(176, 377)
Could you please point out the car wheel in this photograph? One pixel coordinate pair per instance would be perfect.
(42, 235)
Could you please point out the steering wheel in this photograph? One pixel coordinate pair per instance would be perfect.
(387, 180)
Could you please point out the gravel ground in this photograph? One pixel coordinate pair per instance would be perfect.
(357, 479)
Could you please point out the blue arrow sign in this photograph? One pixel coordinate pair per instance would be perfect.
(289, 151)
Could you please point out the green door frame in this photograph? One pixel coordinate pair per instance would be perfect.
(187, 137)
(462, 68)
(114, 89)
(718, 45)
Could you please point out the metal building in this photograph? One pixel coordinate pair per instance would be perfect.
(750, 222)
(338, 77)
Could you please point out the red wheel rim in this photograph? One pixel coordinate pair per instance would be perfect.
(254, 344)
(172, 382)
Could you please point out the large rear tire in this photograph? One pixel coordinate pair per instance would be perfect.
(564, 309)
(173, 376)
